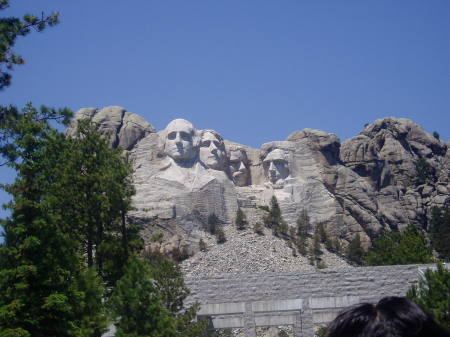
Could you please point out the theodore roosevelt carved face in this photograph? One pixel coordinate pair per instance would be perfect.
(212, 150)
(276, 166)
(180, 140)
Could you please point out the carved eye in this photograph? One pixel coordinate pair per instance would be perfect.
(217, 143)
(172, 135)
(206, 143)
(185, 136)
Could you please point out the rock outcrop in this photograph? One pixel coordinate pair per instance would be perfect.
(369, 182)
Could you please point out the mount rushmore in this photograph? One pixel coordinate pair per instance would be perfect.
(369, 182)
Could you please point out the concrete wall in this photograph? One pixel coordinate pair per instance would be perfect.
(302, 298)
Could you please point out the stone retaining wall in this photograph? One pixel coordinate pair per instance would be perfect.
(302, 299)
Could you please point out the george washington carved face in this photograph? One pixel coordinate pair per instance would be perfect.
(180, 140)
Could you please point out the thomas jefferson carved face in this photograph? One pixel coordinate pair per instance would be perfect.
(276, 166)
(180, 140)
(212, 150)
(238, 166)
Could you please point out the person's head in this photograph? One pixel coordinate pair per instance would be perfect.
(212, 149)
(276, 166)
(238, 166)
(180, 140)
(390, 317)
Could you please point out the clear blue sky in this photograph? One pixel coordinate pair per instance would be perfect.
(253, 70)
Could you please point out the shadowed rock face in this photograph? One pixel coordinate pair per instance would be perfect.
(183, 175)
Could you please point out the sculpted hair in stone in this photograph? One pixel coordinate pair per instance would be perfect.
(391, 317)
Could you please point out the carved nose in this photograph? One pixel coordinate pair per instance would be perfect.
(242, 167)
(271, 166)
(177, 138)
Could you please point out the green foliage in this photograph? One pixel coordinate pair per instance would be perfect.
(202, 245)
(321, 331)
(433, 294)
(213, 223)
(220, 235)
(157, 237)
(355, 251)
(275, 221)
(303, 224)
(440, 231)
(10, 29)
(424, 172)
(44, 288)
(393, 248)
(138, 307)
(258, 228)
(302, 245)
(92, 193)
(241, 219)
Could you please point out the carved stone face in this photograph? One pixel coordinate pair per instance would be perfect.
(179, 142)
(238, 167)
(212, 150)
(276, 166)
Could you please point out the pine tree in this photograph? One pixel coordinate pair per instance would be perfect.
(11, 29)
(433, 294)
(213, 223)
(220, 235)
(241, 219)
(354, 249)
(303, 224)
(138, 307)
(43, 282)
(92, 194)
(275, 221)
(440, 231)
(393, 248)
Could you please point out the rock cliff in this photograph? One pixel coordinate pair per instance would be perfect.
(388, 176)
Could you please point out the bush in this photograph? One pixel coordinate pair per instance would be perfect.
(202, 245)
(433, 294)
(303, 224)
(258, 228)
(440, 231)
(241, 219)
(393, 248)
(213, 222)
(424, 172)
(220, 235)
(354, 250)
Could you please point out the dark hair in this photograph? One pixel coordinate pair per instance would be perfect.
(391, 317)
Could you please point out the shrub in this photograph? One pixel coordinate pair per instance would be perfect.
(354, 250)
(241, 219)
(433, 294)
(202, 245)
(258, 228)
(220, 235)
(213, 222)
(393, 248)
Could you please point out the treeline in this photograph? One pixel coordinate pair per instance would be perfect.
(70, 263)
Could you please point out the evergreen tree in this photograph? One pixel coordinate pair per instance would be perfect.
(393, 248)
(303, 224)
(137, 306)
(354, 249)
(433, 294)
(220, 235)
(92, 194)
(440, 231)
(424, 172)
(10, 29)
(169, 283)
(275, 221)
(43, 282)
(213, 223)
(241, 219)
